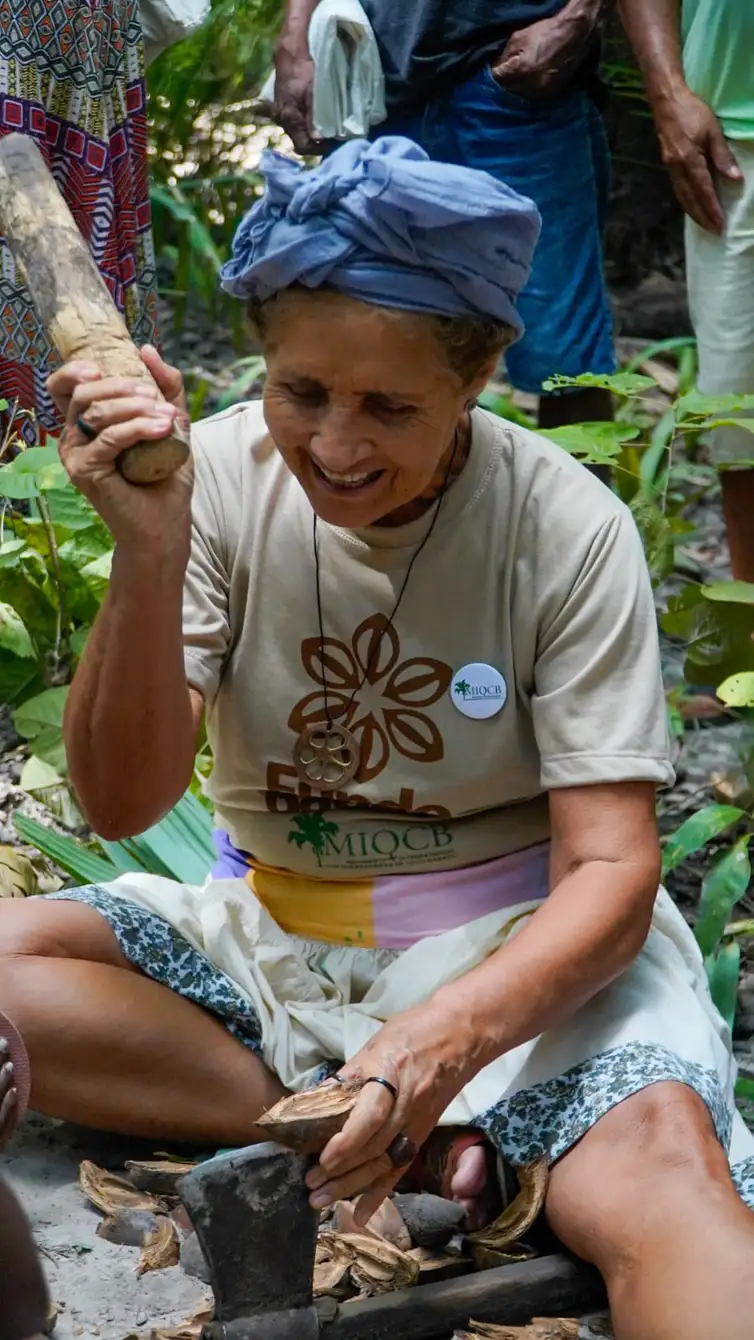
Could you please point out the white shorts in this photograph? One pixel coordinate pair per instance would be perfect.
(720, 275)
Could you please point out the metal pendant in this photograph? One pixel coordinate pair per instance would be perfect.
(326, 757)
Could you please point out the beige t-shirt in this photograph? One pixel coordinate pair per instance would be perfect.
(533, 569)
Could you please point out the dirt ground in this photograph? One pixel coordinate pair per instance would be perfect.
(94, 1282)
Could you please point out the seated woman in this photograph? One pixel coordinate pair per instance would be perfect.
(425, 643)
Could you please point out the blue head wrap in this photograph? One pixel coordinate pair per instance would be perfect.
(383, 223)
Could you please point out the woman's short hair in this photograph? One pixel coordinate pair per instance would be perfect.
(470, 343)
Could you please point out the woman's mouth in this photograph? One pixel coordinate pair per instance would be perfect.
(351, 482)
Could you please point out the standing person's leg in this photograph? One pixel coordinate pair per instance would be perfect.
(23, 1295)
(556, 153)
(720, 273)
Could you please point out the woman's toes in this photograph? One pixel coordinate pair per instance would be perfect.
(470, 1177)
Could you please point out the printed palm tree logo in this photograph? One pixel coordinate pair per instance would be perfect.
(313, 830)
(377, 692)
(462, 687)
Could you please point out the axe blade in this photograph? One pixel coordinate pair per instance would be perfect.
(251, 1212)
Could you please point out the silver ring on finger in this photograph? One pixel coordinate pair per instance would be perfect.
(86, 429)
(401, 1151)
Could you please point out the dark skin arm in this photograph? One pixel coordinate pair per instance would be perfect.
(294, 77)
(692, 142)
(23, 1293)
(541, 60)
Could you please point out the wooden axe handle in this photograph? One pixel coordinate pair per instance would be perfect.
(76, 310)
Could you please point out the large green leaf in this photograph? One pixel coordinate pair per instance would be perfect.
(18, 678)
(14, 635)
(11, 550)
(723, 969)
(696, 832)
(734, 593)
(594, 443)
(70, 509)
(723, 886)
(32, 472)
(738, 690)
(71, 855)
(181, 842)
(620, 383)
(708, 406)
(41, 713)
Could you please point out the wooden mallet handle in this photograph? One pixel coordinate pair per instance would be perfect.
(76, 310)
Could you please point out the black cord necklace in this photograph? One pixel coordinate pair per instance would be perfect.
(328, 755)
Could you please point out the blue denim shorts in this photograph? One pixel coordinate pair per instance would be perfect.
(555, 152)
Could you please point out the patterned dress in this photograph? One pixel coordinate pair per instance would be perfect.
(72, 77)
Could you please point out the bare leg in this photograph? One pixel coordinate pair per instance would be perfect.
(647, 1197)
(23, 1295)
(112, 1049)
(590, 405)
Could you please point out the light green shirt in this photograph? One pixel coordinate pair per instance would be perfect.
(718, 55)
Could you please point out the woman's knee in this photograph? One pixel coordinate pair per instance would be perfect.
(54, 928)
(635, 1171)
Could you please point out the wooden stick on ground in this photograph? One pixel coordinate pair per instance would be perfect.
(76, 310)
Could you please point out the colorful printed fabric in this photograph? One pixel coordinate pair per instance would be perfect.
(387, 911)
(72, 78)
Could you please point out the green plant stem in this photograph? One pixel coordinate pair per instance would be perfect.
(57, 578)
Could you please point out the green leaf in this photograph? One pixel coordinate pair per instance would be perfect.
(738, 690)
(594, 443)
(18, 679)
(722, 887)
(620, 383)
(11, 551)
(723, 970)
(735, 593)
(70, 509)
(745, 1089)
(32, 472)
(694, 404)
(40, 713)
(696, 832)
(14, 636)
(72, 856)
(181, 842)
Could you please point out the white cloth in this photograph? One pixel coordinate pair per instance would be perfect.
(349, 85)
(316, 1002)
(720, 272)
(166, 21)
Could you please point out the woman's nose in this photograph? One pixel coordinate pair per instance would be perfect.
(339, 443)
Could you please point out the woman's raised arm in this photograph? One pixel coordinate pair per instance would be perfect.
(131, 719)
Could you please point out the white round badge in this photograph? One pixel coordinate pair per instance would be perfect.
(478, 690)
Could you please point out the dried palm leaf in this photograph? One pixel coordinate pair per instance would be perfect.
(190, 1329)
(161, 1250)
(306, 1121)
(18, 878)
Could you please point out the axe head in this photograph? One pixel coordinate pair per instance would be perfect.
(251, 1212)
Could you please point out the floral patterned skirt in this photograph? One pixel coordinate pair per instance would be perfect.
(72, 78)
(304, 1007)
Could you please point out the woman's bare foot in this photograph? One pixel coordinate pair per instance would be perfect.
(460, 1164)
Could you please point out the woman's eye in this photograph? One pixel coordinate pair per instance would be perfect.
(306, 395)
(388, 410)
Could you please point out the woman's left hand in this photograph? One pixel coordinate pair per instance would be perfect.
(424, 1054)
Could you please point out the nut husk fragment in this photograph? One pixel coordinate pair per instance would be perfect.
(517, 1218)
(109, 1193)
(434, 1266)
(161, 1250)
(369, 1263)
(128, 1228)
(159, 1177)
(305, 1122)
(387, 1223)
(541, 1328)
(431, 1220)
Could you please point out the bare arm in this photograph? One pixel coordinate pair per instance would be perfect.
(131, 720)
(294, 76)
(542, 59)
(692, 142)
(605, 871)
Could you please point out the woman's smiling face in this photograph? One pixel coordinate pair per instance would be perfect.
(361, 403)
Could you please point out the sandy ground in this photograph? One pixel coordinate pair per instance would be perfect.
(94, 1281)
